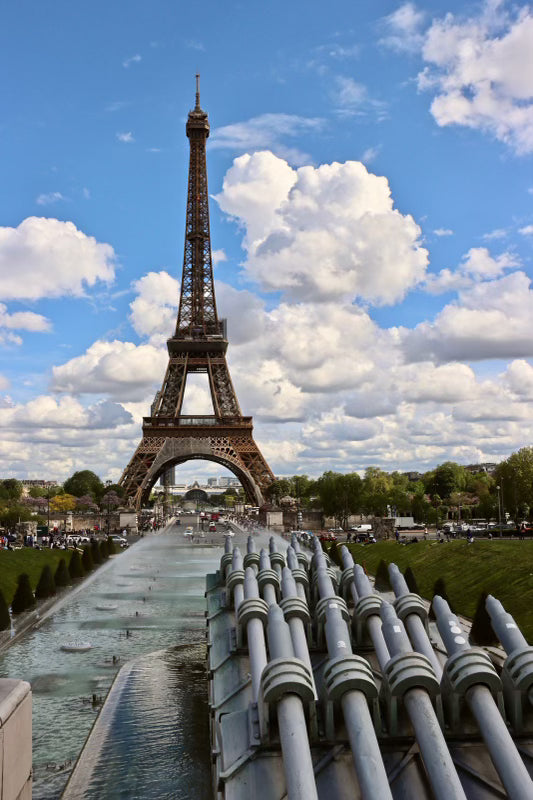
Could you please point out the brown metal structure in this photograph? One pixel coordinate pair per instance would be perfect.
(198, 345)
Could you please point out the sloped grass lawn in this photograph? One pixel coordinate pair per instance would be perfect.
(30, 560)
(504, 569)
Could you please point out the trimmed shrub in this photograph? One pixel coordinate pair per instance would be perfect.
(61, 576)
(334, 554)
(87, 559)
(482, 633)
(95, 553)
(23, 598)
(439, 588)
(104, 552)
(75, 567)
(382, 582)
(5, 619)
(410, 580)
(46, 586)
(111, 549)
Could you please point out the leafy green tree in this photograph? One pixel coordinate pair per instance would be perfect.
(279, 488)
(61, 575)
(11, 514)
(84, 482)
(5, 619)
(46, 586)
(447, 478)
(339, 494)
(23, 598)
(10, 489)
(515, 476)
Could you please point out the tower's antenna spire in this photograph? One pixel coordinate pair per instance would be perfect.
(197, 91)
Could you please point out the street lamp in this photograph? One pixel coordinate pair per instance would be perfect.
(499, 507)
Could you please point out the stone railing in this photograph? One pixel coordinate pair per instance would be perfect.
(15, 740)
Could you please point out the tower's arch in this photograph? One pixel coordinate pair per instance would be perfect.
(177, 451)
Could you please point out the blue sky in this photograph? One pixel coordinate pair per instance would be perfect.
(371, 217)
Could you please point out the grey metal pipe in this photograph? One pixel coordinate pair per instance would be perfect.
(492, 727)
(373, 622)
(364, 745)
(504, 626)
(413, 623)
(238, 591)
(433, 749)
(296, 625)
(275, 563)
(269, 592)
(324, 583)
(349, 563)
(500, 745)
(293, 563)
(299, 773)
(256, 636)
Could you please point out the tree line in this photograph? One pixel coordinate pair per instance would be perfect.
(449, 490)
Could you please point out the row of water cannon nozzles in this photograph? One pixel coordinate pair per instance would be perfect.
(432, 695)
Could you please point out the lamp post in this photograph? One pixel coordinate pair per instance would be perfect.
(499, 507)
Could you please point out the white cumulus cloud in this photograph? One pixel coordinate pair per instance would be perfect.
(480, 71)
(319, 234)
(49, 258)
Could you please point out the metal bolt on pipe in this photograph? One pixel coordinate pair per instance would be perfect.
(433, 749)
(349, 679)
(299, 773)
(492, 727)
(413, 620)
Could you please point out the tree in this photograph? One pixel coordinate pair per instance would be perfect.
(481, 632)
(377, 486)
(279, 488)
(447, 478)
(515, 476)
(86, 503)
(410, 580)
(23, 598)
(11, 514)
(5, 619)
(382, 581)
(339, 494)
(10, 489)
(46, 586)
(75, 567)
(63, 503)
(87, 559)
(95, 553)
(61, 576)
(84, 482)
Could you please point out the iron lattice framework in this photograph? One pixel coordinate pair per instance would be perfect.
(198, 345)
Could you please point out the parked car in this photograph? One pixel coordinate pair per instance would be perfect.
(328, 536)
(212, 527)
(188, 531)
(119, 540)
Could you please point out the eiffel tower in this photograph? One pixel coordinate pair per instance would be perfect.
(199, 344)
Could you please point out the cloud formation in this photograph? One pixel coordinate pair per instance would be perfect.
(45, 257)
(325, 233)
(266, 131)
(480, 71)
